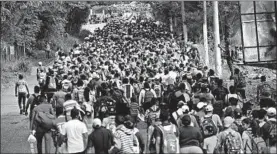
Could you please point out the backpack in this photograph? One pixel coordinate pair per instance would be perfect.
(80, 95)
(134, 108)
(111, 107)
(257, 143)
(158, 90)
(231, 144)
(208, 126)
(118, 96)
(240, 128)
(218, 108)
(35, 102)
(265, 89)
(148, 96)
(45, 120)
(52, 83)
(170, 141)
(153, 116)
(241, 81)
(127, 90)
(272, 139)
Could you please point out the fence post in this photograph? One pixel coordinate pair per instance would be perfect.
(24, 49)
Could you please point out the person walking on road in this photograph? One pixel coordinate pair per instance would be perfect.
(22, 91)
(76, 133)
(39, 128)
(101, 138)
(33, 101)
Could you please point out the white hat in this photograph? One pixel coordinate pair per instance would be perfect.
(40, 63)
(228, 121)
(96, 122)
(200, 105)
(271, 111)
(209, 108)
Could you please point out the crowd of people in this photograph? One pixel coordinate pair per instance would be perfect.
(96, 96)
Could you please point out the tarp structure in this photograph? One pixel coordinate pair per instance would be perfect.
(258, 21)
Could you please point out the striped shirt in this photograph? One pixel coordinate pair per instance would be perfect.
(134, 108)
(126, 138)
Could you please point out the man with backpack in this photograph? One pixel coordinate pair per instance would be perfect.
(269, 129)
(263, 89)
(22, 91)
(165, 138)
(33, 101)
(158, 88)
(42, 123)
(220, 92)
(78, 92)
(212, 120)
(146, 95)
(239, 82)
(58, 98)
(229, 141)
(50, 85)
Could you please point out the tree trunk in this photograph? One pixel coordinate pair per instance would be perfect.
(185, 32)
(205, 35)
(171, 25)
(218, 67)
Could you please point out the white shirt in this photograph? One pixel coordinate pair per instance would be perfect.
(74, 130)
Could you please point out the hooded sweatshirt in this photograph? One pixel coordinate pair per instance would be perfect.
(124, 139)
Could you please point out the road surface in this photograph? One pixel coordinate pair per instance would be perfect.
(15, 127)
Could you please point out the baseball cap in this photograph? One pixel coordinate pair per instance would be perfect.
(39, 63)
(185, 108)
(237, 112)
(200, 105)
(181, 103)
(271, 111)
(96, 122)
(228, 121)
(209, 108)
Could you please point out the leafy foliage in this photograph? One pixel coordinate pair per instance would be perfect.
(35, 23)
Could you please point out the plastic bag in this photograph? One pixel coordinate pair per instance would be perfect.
(31, 138)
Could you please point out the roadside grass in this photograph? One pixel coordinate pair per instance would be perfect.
(11, 69)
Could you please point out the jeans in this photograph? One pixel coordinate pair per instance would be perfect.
(191, 149)
(47, 137)
(21, 99)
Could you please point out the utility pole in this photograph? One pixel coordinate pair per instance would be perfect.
(218, 67)
(205, 34)
(185, 32)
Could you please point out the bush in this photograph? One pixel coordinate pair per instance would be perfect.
(21, 65)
